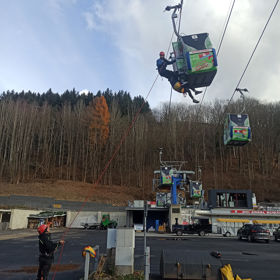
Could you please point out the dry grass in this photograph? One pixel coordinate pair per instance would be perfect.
(76, 191)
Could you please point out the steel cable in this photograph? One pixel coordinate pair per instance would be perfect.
(219, 47)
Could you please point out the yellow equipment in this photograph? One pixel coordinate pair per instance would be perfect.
(90, 250)
(227, 273)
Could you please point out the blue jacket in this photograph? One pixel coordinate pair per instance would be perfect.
(162, 64)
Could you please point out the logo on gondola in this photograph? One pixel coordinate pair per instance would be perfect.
(242, 132)
(205, 55)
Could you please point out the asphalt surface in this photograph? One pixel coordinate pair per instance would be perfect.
(19, 253)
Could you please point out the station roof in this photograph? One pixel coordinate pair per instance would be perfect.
(47, 214)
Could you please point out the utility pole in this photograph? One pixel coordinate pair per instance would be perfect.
(146, 252)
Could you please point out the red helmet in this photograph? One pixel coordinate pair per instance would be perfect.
(42, 228)
(161, 54)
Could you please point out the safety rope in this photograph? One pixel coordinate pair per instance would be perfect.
(125, 134)
(91, 191)
(169, 107)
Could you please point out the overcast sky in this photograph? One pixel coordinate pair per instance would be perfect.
(100, 44)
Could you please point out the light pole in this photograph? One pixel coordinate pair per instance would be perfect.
(146, 252)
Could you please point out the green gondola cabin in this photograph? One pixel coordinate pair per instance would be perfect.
(237, 131)
(196, 60)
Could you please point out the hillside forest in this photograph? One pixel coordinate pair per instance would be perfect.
(73, 137)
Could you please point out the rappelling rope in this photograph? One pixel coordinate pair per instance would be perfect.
(91, 191)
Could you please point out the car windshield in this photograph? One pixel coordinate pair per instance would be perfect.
(259, 227)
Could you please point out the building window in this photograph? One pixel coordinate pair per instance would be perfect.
(6, 216)
(222, 199)
(231, 200)
(175, 210)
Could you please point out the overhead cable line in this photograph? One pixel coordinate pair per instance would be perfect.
(171, 86)
(219, 47)
(179, 25)
(248, 63)
(225, 28)
(180, 16)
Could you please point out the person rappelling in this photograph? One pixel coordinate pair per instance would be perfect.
(173, 77)
(194, 60)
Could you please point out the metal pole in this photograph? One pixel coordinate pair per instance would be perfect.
(86, 266)
(147, 264)
(145, 241)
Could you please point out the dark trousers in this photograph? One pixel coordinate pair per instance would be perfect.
(45, 264)
(170, 75)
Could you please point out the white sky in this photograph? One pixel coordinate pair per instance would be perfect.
(99, 44)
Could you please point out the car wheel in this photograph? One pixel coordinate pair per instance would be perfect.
(267, 240)
(202, 233)
(275, 237)
(179, 232)
(227, 234)
(239, 236)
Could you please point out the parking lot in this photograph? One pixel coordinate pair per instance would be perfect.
(19, 255)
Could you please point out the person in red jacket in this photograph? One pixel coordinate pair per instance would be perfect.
(46, 249)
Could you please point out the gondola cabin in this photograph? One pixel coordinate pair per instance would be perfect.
(237, 131)
(196, 60)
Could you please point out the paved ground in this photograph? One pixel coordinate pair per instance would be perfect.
(21, 233)
(19, 253)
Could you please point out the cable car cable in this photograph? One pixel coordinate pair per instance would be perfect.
(254, 51)
(225, 29)
(180, 16)
(179, 25)
(247, 65)
(219, 47)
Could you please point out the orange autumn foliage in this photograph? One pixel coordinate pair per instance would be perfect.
(100, 118)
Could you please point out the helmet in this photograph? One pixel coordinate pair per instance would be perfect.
(42, 228)
(161, 54)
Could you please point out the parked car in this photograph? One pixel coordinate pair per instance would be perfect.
(276, 234)
(201, 228)
(253, 232)
(90, 225)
